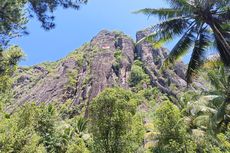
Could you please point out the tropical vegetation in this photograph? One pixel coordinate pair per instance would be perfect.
(138, 119)
(199, 24)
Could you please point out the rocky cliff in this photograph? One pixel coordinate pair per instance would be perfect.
(106, 61)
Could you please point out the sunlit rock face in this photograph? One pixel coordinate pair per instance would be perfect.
(105, 61)
(153, 59)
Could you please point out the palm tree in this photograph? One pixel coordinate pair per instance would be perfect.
(199, 23)
(221, 82)
(212, 108)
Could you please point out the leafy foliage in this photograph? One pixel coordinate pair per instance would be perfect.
(198, 23)
(137, 75)
(114, 126)
(37, 129)
(118, 121)
(173, 136)
(14, 15)
(8, 64)
(117, 63)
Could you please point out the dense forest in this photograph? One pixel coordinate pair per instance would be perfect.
(115, 94)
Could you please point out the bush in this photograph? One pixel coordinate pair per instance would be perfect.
(173, 136)
(38, 129)
(117, 63)
(137, 74)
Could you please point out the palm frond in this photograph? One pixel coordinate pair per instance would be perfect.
(216, 80)
(226, 30)
(222, 4)
(179, 3)
(201, 106)
(225, 55)
(162, 13)
(197, 57)
(219, 116)
(202, 121)
(217, 101)
(224, 14)
(166, 30)
(181, 47)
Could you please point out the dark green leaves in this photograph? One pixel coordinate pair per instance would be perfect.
(12, 20)
(166, 30)
(197, 14)
(113, 123)
(163, 13)
(182, 47)
(14, 15)
(198, 54)
(178, 3)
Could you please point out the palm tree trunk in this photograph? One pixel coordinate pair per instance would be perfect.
(225, 53)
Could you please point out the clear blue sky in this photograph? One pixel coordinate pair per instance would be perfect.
(74, 28)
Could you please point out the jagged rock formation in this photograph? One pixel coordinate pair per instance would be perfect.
(104, 62)
(153, 61)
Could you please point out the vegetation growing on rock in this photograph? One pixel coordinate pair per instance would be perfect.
(114, 96)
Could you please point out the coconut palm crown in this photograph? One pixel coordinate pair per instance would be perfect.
(199, 24)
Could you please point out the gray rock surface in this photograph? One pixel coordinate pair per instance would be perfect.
(153, 60)
(84, 73)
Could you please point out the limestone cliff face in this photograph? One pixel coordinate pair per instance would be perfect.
(105, 61)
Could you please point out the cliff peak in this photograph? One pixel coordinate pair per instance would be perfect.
(110, 59)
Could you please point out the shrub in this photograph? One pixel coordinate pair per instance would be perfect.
(173, 136)
(137, 74)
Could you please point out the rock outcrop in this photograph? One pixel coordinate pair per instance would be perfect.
(153, 60)
(104, 62)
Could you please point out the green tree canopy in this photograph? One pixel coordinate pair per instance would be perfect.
(113, 124)
(39, 129)
(173, 136)
(14, 15)
(8, 64)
